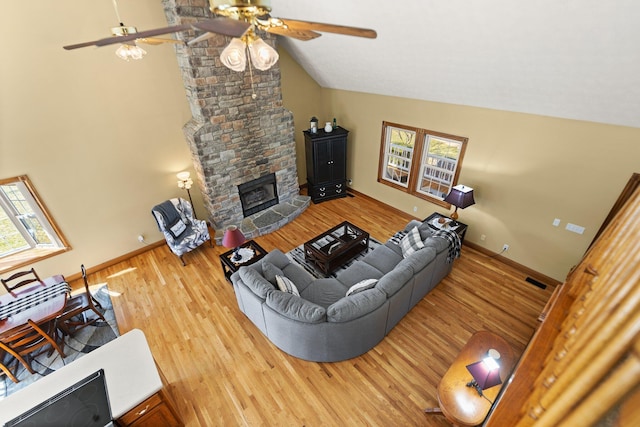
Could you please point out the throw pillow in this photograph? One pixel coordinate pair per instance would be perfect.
(362, 285)
(270, 272)
(286, 285)
(177, 228)
(411, 242)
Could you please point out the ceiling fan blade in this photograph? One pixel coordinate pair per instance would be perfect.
(224, 26)
(156, 41)
(329, 28)
(142, 35)
(79, 45)
(200, 38)
(303, 35)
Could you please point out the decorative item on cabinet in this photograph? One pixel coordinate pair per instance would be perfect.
(326, 161)
(313, 125)
(328, 127)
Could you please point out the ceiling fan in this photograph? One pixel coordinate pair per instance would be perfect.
(128, 36)
(257, 13)
(238, 19)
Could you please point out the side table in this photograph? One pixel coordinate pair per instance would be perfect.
(229, 267)
(460, 404)
(432, 221)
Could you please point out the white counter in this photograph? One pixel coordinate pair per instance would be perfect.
(130, 372)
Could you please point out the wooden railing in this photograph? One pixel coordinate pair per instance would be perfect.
(584, 360)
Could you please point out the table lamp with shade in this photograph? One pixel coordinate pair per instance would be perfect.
(461, 197)
(233, 238)
(486, 372)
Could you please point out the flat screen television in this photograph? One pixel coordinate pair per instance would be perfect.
(86, 404)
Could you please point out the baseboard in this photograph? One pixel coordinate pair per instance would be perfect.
(389, 207)
(549, 281)
(528, 271)
(114, 261)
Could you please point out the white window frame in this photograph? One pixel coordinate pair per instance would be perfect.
(424, 174)
(398, 158)
(33, 250)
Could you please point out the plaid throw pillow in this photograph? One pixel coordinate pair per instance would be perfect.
(411, 242)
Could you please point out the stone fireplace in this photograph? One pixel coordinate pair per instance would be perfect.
(239, 130)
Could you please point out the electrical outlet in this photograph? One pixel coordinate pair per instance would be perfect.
(556, 222)
(350, 181)
(141, 238)
(483, 237)
(505, 247)
(415, 209)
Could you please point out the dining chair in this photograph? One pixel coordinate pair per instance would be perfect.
(27, 341)
(14, 277)
(78, 306)
(7, 357)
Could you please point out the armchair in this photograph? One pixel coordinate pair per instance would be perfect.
(182, 231)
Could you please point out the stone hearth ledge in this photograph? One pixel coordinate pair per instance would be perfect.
(270, 219)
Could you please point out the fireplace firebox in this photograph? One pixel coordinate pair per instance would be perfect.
(258, 194)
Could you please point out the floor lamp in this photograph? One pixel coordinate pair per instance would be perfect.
(185, 181)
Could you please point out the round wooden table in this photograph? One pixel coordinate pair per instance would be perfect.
(460, 404)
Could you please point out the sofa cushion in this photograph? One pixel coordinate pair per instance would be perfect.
(394, 247)
(255, 281)
(324, 292)
(357, 271)
(286, 285)
(425, 231)
(383, 258)
(298, 275)
(270, 272)
(437, 243)
(355, 306)
(411, 242)
(295, 308)
(391, 282)
(277, 258)
(418, 260)
(362, 285)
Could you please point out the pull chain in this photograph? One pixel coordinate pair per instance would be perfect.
(253, 94)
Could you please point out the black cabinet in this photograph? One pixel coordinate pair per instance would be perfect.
(326, 160)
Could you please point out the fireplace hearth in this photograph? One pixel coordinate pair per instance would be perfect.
(258, 194)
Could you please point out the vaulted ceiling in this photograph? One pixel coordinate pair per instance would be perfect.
(575, 59)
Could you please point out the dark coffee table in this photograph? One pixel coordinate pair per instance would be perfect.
(336, 246)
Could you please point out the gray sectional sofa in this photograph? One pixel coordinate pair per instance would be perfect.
(322, 324)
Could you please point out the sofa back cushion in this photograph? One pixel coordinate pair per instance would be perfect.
(296, 308)
(356, 305)
(270, 272)
(391, 282)
(418, 260)
(255, 281)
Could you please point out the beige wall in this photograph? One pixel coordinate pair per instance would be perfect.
(100, 138)
(526, 170)
(302, 96)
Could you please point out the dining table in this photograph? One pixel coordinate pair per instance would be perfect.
(36, 301)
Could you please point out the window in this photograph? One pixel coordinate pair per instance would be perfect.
(419, 161)
(27, 231)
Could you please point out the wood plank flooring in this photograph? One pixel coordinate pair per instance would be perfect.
(224, 372)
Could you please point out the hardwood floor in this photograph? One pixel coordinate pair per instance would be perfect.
(223, 371)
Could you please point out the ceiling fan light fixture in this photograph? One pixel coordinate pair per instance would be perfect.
(262, 55)
(130, 51)
(233, 56)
